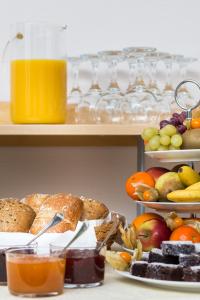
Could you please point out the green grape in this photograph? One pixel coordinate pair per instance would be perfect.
(171, 147)
(165, 140)
(176, 140)
(147, 148)
(168, 130)
(163, 148)
(148, 133)
(154, 142)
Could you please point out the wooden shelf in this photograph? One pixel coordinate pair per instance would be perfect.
(9, 129)
(72, 130)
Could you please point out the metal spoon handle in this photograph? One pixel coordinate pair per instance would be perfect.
(81, 230)
(56, 219)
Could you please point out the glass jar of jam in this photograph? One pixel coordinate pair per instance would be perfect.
(3, 249)
(85, 267)
(36, 273)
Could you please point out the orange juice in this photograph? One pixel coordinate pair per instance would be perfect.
(38, 91)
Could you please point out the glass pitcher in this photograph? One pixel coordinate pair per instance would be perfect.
(38, 73)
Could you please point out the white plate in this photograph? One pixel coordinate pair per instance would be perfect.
(165, 284)
(175, 155)
(193, 207)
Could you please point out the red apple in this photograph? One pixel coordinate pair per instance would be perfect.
(152, 232)
(156, 172)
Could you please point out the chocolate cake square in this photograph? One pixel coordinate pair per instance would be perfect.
(163, 271)
(145, 256)
(156, 255)
(189, 260)
(138, 268)
(175, 248)
(197, 248)
(192, 274)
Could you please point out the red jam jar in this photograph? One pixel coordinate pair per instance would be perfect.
(85, 267)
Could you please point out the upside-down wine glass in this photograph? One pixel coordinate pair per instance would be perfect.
(108, 108)
(85, 111)
(184, 95)
(142, 101)
(75, 93)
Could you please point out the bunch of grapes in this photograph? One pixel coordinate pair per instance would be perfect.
(176, 120)
(167, 138)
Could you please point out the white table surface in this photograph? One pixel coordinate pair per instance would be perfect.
(114, 288)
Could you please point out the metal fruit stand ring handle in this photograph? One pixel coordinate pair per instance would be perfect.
(186, 109)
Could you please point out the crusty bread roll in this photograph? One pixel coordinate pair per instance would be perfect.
(93, 209)
(15, 216)
(69, 205)
(35, 201)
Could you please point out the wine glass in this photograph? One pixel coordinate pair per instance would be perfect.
(75, 93)
(108, 108)
(168, 101)
(85, 111)
(141, 100)
(184, 95)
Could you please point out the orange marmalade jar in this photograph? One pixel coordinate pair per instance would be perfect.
(34, 273)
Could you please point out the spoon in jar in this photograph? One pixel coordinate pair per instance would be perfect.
(81, 230)
(55, 220)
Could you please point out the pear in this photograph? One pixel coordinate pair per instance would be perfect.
(167, 183)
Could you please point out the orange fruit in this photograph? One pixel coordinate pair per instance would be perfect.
(185, 233)
(195, 123)
(136, 179)
(126, 256)
(139, 220)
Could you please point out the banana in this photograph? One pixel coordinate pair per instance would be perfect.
(194, 187)
(188, 176)
(184, 196)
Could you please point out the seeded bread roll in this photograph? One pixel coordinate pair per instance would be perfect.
(15, 216)
(69, 205)
(35, 201)
(93, 209)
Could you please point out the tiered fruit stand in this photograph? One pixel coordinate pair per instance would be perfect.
(188, 156)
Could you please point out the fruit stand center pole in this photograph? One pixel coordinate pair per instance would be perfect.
(140, 167)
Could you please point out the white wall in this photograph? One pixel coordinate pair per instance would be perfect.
(94, 25)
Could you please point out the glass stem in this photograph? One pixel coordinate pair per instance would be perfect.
(75, 72)
(183, 77)
(139, 77)
(113, 81)
(95, 84)
(152, 75)
(168, 85)
(131, 76)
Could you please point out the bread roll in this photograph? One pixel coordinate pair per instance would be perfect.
(93, 209)
(15, 216)
(35, 201)
(69, 205)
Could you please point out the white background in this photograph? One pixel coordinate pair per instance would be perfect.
(93, 25)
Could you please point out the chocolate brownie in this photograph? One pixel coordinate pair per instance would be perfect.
(191, 274)
(163, 271)
(175, 248)
(197, 248)
(138, 268)
(189, 260)
(156, 255)
(145, 256)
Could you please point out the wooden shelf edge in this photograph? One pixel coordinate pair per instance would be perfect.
(70, 129)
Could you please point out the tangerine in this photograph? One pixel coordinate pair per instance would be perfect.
(185, 233)
(195, 123)
(136, 179)
(139, 220)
